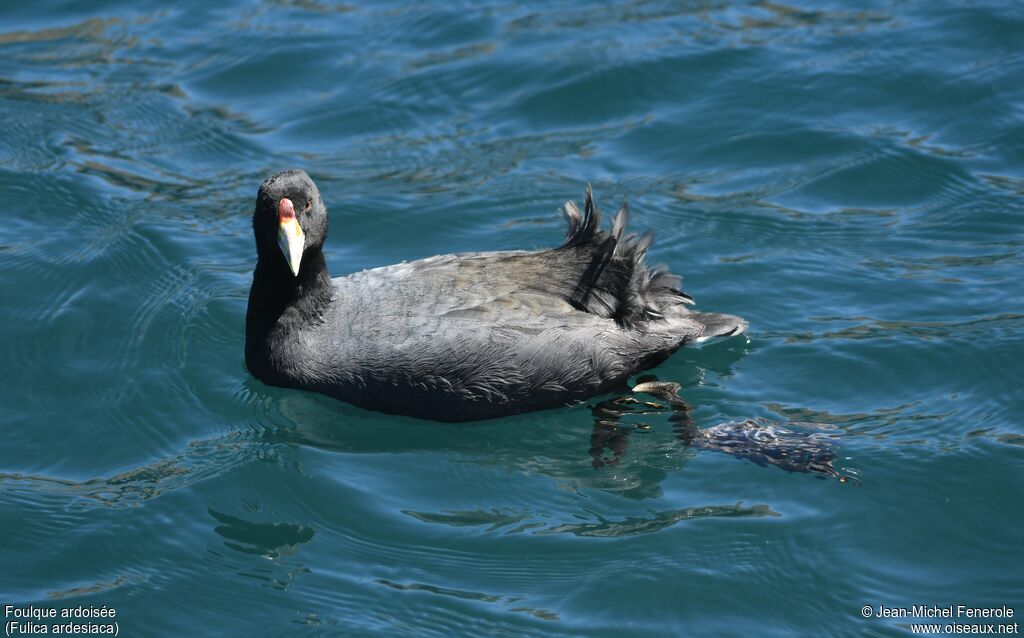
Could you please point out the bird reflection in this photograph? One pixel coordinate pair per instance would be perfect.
(794, 447)
(300, 420)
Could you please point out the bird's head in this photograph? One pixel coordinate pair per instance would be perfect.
(290, 219)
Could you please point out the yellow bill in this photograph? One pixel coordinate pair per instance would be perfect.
(290, 238)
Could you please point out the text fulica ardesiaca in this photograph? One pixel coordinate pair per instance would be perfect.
(465, 336)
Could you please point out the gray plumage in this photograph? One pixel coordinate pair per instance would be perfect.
(465, 336)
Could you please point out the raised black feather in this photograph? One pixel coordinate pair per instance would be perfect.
(615, 282)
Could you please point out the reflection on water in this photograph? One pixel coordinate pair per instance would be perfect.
(596, 526)
(263, 539)
(603, 527)
(125, 579)
(300, 419)
(203, 459)
(794, 447)
(509, 601)
(869, 328)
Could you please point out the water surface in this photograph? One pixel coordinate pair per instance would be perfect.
(847, 177)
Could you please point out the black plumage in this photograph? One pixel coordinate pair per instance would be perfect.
(465, 336)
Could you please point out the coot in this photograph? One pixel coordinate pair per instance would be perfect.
(466, 336)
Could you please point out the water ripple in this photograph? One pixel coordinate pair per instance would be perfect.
(846, 178)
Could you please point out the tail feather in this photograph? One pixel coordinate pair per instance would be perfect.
(613, 279)
(616, 282)
(717, 325)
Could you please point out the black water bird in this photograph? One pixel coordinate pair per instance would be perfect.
(465, 336)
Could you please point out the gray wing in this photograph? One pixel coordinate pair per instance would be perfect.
(464, 337)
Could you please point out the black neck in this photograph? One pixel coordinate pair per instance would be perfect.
(276, 290)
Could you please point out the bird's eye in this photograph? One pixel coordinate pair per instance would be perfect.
(309, 204)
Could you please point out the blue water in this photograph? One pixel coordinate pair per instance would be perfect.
(848, 177)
